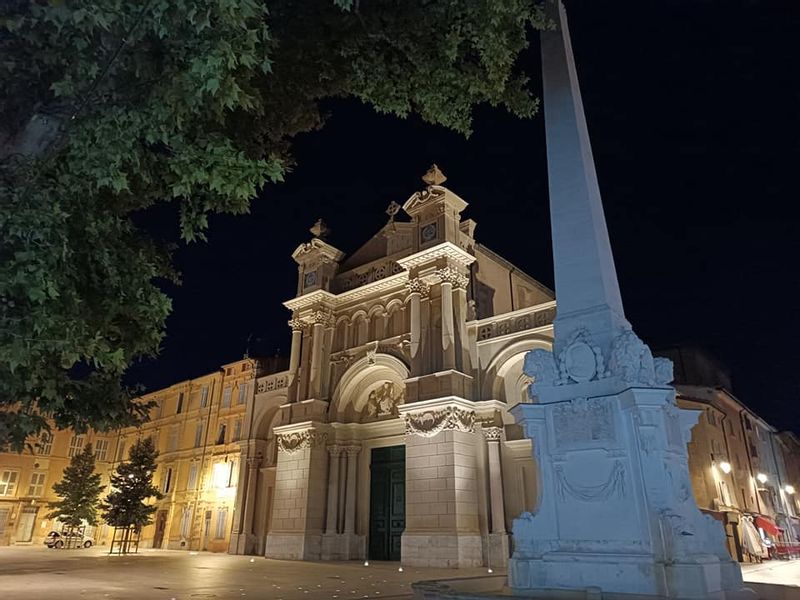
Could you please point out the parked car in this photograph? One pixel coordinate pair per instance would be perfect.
(75, 539)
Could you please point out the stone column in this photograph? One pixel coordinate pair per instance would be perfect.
(331, 522)
(416, 289)
(294, 358)
(317, 338)
(250, 499)
(350, 498)
(448, 327)
(493, 435)
(342, 491)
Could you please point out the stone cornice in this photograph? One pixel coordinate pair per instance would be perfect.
(315, 299)
(444, 250)
(325, 299)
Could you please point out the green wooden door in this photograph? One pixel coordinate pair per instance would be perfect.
(387, 505)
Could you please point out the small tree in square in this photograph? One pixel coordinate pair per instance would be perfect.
(132, 486)
(79, 490)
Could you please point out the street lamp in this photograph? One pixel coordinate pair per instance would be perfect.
(762, 478)
(789, 489)
(725, 466)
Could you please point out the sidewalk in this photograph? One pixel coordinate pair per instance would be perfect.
(781, 572)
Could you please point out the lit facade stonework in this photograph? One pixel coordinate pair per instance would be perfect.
(391, 438)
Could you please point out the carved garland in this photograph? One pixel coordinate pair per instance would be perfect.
(300, 440)
(613, 486)
(430, 422)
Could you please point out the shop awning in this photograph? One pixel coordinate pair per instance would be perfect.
(768, 525)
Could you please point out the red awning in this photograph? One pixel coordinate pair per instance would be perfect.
(768, 525)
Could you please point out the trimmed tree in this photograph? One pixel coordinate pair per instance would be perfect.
(126, 505)
(79, 491)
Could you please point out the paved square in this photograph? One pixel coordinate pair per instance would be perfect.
(33, 573)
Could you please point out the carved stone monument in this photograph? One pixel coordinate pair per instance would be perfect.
(616, 511)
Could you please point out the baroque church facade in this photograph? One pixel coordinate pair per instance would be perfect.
(389, 436)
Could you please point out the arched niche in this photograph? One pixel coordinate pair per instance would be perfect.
(504, 378)
(368, 389)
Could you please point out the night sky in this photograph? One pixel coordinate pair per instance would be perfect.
(693, 114)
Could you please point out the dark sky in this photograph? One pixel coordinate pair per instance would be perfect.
(693, 113)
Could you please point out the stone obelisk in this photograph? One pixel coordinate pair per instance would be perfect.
(615, 508)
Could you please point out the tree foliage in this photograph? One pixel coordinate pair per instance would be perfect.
(109, 106)
(79, 491)
(131, 488)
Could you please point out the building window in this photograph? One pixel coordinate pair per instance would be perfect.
(45, 443)
(198, 435)
(179, 409)
(75, 445)
(747, 424)
(120, 451)
(167, 481)
(192, 483)
(237, 430)
(101, 449)
(222, 521)
(242, 393)
(234, 473)
(221, 434)
(712, 418)
(204, 397)
(36, 486)
(160, 410)
(226, 397)
(753, 451)
(186, 522)
(172, 442)
(8, 482)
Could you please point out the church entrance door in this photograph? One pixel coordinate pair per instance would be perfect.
(387, 502)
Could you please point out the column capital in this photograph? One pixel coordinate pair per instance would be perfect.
(452, 276)
(297, 325)
(322, 317)
(352, 450)
(254, 462)
(417, 286)
(335, 450)
(492, 434)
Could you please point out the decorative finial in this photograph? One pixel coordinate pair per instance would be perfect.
(320, 230)
(434, 176)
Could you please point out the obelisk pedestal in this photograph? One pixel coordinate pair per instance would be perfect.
(616, 511)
